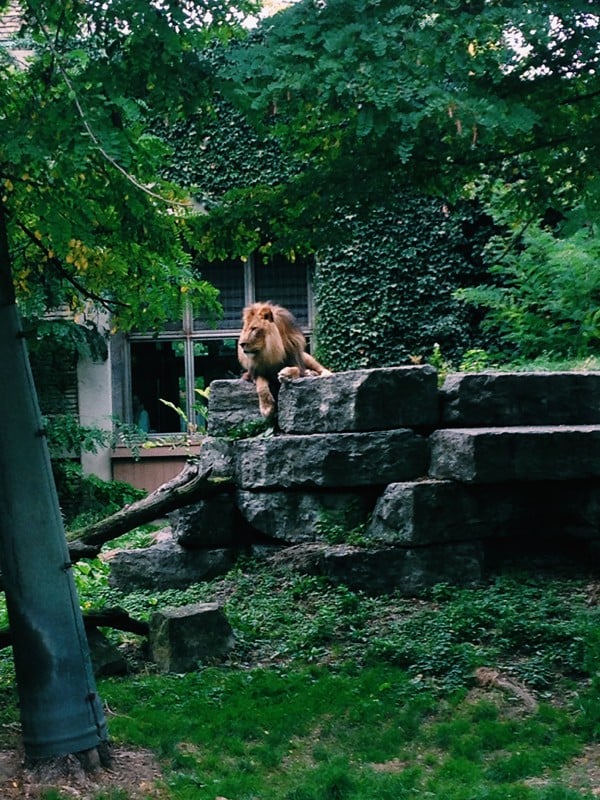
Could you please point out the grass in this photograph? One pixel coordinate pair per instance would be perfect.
(333, 695)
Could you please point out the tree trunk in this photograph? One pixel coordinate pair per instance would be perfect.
(60, 710)
(185, 488)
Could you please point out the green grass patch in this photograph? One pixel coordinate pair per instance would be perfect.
(332, 695)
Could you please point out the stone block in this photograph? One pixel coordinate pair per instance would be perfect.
(360, 400)
(231, 404)
(180, 638)
(216, 453)
(383, 570)
(409, 571)
(331, 460)
(166, 566)
(425, 512)
(492, 399)
(492, 455)
(207, 523)
(294, 517)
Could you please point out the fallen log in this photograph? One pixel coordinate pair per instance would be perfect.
(116, 618)
(187, 487)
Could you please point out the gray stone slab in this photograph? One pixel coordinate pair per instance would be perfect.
(166, 566)
(181, 638)
(435, 511)
(294, 517)
(216, 454)
(231, 405)
(207, 523)
(331, 460)
(360, 400)
(383, 570)
(522, 453)
(491, 399)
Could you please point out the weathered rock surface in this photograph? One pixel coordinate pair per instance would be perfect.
(331, 460)
(216, 453)
(166, 565)
(208, 523)
(488, 455)
(182, 637)
(231, 404)
(440, 511)
(387, 569)
(491, 399)
(360, 400)
(295, 517)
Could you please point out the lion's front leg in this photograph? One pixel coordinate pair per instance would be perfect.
(266, 401)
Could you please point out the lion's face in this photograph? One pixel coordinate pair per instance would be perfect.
(254, 336)
(260, 345)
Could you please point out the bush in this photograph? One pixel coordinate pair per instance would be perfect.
(547, 299)
(86, 498)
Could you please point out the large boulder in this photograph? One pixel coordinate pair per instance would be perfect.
(493, 399)
(216, 454)
(208, 523)
(166, 565)
(232, 404)
(295, 517)
(432, 512)
(361, 400)
(492, 455)
(181, 638)
(382, 570)
(331, 460)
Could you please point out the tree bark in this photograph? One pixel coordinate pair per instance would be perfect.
(187, 487)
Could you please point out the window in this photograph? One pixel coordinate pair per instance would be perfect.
(166, 369)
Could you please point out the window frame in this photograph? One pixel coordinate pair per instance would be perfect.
(189, 336)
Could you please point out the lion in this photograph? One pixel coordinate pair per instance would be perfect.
(272, 348)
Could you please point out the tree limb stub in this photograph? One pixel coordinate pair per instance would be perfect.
(185, 488)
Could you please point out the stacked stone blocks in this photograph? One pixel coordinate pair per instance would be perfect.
(431, 475)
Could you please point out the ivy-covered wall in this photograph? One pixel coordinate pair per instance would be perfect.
(386, 294)
(385, 280)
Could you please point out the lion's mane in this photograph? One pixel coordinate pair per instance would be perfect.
(270, 340)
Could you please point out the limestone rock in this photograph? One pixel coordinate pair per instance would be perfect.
(231, 404)
(295, 517)
(166, 566)
(331, 460)
(216, 453)
(182, 637)
(426, 512)
(488, 455)
(492, 399)
(410, 571)
(360, 400)
(207, 523)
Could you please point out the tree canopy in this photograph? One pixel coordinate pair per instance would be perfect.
(446, 96)
(86, 214)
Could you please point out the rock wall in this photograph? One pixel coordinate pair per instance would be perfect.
(430, 481)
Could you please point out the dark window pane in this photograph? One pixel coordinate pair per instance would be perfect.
(228, 277)
(283, 282)
(157, 373)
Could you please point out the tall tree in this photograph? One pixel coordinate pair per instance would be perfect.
(445, 96)
(84, 219)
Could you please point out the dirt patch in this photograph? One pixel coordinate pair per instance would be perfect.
(135, 771)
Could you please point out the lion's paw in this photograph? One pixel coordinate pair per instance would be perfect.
(288, 373)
